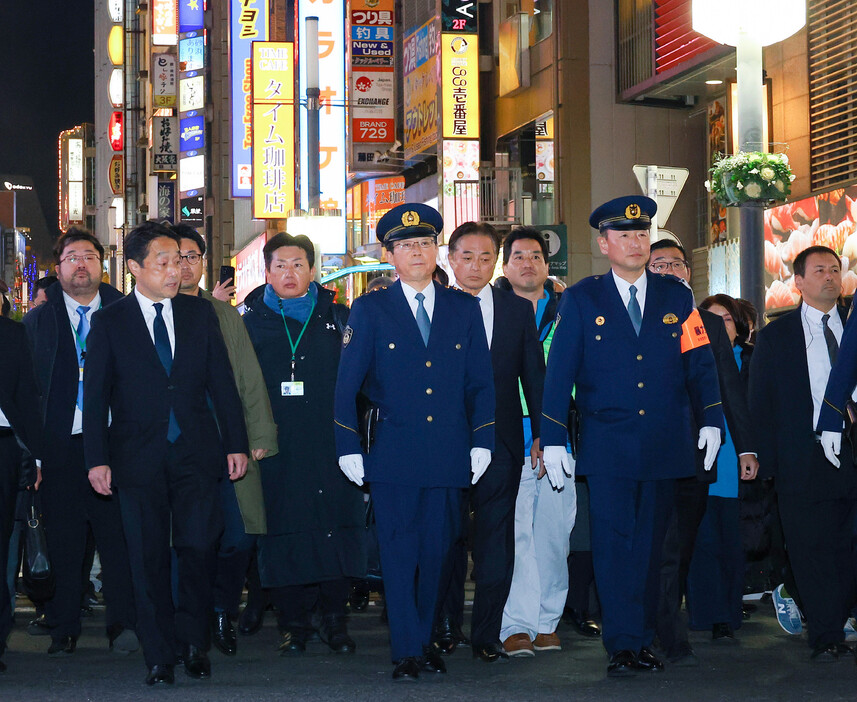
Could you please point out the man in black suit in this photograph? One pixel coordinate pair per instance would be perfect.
(19, 415)
(817, 500)
(691, 494)
(154, 361)
(58, 332)
(516, 354)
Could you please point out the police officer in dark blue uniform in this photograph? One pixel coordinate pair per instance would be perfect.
(634, 347)
(419, 352)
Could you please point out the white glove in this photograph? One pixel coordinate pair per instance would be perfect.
(709, 439)
(352, 466)
(555, 460)
(831, 442)
(479, 460)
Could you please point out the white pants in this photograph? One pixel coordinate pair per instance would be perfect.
(544, 518)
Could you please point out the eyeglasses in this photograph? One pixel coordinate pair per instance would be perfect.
(191, 258)
(414, 245)
(665, 266)
(74, 259)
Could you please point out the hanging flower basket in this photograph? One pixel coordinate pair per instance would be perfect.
(751, 178)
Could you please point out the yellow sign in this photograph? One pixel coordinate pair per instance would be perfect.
(273, 129)
(116, 175)
(460, 72)
(420, 88)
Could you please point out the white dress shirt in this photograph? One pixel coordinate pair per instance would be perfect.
(4, 423)
(624, 288)
(486, 304)
(149, 314)
(71, 306)
(817, 358)
(411, 297)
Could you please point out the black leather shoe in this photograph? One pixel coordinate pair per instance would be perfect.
(250, 620)
(407, 670)
(460, 639)
(722, 632)
(581, 622)
(223, 634)
(292, 641)
(63, 646)
(444, 639)
(38, 626)
(161, 675)
(431, 661)
(490, 653)
(648, 661)
(623, 664)
(196, 663)
(825, 653)
(334, 633)
(359, 597)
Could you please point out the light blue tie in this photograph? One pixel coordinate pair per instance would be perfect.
(634, 310)
(80, 341)
(423, 321)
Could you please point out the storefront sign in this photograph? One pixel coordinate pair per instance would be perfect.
(165, 147)
(192, 53)
(459, 16)
(192, 210)
(114, 131)
(420, 88)
(164, 22)
(460, 70)
(372, 106)
(192, 134)
(379, 196)
(116, 174)
(191, 93)
(164, 80)
(191, 173)
(190, 15)
(249, 268)
(167, 201)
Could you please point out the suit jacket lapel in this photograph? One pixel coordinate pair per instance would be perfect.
(795, 347)
(140, 331)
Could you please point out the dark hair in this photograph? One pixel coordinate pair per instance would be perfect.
(519, 233)
(285, 239)
(474, 228)
(668, 244)
(440, 275)
(187, 232)
(71, 236)
(800, 259)
(44, 283)
(735, 311)
(138, 239)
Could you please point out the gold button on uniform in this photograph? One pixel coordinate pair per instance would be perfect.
(642, 412)
(675, 334)
(429, 418)
(640, 385)
(428, 364)
(639, 357)
(598, 337)
(428, 391)
(392, 346)
(458, 346)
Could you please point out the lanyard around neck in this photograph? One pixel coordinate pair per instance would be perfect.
(294, 344)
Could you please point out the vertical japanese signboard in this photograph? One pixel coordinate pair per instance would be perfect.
(165, 147)
(165, 22)
(273, 92)
(460, 68)
(420, 87)
(248, 22)
(163, 80)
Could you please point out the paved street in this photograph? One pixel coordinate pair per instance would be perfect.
(766, 664)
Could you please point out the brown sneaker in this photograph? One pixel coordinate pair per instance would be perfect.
(518, 645)
(547, 642)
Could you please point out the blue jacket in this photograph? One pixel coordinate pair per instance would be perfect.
(436, 402)
(637, 395)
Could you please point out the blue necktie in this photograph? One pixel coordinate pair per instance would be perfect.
(634, 310)
(423, 321)
(165, 353)
(80, 341)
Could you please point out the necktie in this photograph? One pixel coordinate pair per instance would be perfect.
(830, 340)
(423, 319)
(165, 353)
(634, 310)
(82, 332)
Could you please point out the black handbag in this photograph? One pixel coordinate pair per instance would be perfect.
(367, 421)
(851, 427)
(38, 576)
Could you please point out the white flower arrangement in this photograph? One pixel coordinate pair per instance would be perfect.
(751, 176)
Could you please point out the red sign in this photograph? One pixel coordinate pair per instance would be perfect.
(115, 133)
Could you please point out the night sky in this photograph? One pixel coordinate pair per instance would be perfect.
(46, 86)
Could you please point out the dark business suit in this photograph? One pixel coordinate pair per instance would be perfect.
(167, 491)
(516, 354)
(69, 503)
(692, 493)
(19, 402)
(816, 500)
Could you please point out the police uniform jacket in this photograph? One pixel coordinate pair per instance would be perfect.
(436, 402)
(637, 395)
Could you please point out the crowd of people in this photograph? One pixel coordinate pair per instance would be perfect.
(598, 450)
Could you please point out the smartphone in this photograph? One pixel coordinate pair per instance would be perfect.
(227, 273)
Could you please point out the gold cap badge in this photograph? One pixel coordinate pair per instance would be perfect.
(599, 320)
(410, 219)
(633, 211)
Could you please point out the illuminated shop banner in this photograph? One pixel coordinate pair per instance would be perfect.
(273, 96)
(75, 202)
(460, 184)
(458, 16)
(191, 173)
(192, 133)
(167, 201)
(192, 53)
(371, 33)
(190, 15)
(75, 159)
(380, 196)
(420, 87)
(164, 81)
(372, 106)
(460, 69)
(165, 146)
(165, 24)
(192, 94)
(248, 22)
(249, 268)
(371, 53)
(116, 174)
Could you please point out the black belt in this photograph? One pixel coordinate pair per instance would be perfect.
(6, 431)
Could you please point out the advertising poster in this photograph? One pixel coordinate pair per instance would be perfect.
(420, 87)
(460, 69)
(373, 105)
(379, 196)
(460, 183)
(248, 22)
(192, 133)
(716, 147)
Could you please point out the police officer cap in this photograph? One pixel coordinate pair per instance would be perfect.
(630, 212)
(409, 221)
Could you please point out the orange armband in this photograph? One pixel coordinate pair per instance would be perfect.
(693, 334)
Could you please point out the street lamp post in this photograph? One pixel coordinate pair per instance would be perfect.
(750, 25)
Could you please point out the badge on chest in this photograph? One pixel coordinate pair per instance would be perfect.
(292, 388)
